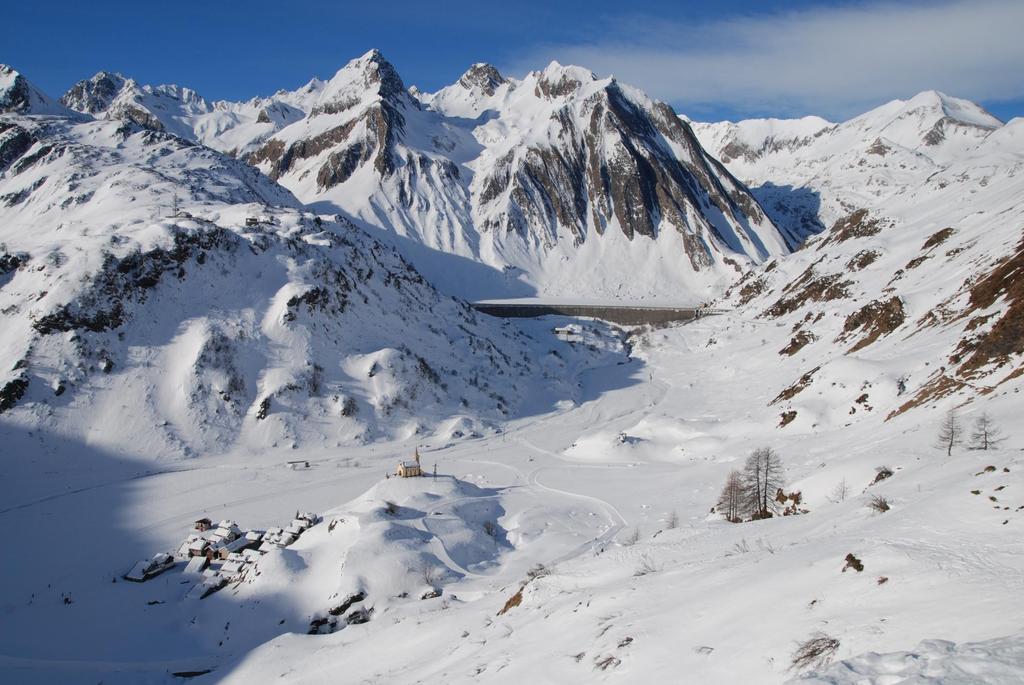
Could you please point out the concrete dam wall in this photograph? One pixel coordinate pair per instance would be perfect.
(624, 315)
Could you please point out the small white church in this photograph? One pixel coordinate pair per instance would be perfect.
(408, 469)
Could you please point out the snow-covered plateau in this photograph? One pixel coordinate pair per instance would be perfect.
(229, 330)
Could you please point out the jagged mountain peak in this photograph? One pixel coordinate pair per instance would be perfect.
(483, 76)
(535, 175)
(364, 78)
(557, 80)
(19, 96)
(95, 95)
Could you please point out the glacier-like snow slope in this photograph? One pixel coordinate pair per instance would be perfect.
(810, 170)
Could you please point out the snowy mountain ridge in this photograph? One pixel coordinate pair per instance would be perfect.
(805, 167)
(562, 184)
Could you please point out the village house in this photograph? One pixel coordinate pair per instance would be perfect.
(196, 565)
(203, 525)
(148, 568)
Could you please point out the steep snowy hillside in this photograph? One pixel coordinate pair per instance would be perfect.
(236, 128)
(563, 184)
(140, 269)
(937, 267)
(808, 173)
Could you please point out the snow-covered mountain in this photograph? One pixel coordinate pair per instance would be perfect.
(236, 128)
(807, 171)
(131, 273)
(560, 185)
(564, 184)
(928, 255)
(19, 96)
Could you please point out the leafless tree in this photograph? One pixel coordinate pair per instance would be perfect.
(986, 434)
(951, 432)
(633, 538)
(673, 520)
(730, 502)
(429, 574)
(762, 478)
(841, 491)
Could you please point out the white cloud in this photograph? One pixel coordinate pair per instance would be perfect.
(832, 61)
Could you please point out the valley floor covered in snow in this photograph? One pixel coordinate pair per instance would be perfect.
(573, 544)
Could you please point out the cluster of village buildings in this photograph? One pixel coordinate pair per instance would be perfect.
(217, 555)
(220, 554)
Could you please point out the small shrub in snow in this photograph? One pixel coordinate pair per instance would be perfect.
(879, 504)
(646, 567)
(854, 563)
(815, 652)
(538, 571)
(490, 528)
(741, 547)
(633, 538)
(673, 520)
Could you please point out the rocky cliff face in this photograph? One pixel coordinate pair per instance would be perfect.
(19, 96)
(528, 178)
(232, 127)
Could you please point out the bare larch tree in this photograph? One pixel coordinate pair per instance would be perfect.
(762, 478)
(986, 434)
(951, 432)
(731, 501)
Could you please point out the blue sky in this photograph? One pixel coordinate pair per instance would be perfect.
(709, 60)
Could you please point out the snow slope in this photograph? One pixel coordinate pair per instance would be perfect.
(809, 171)
(298, 328)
